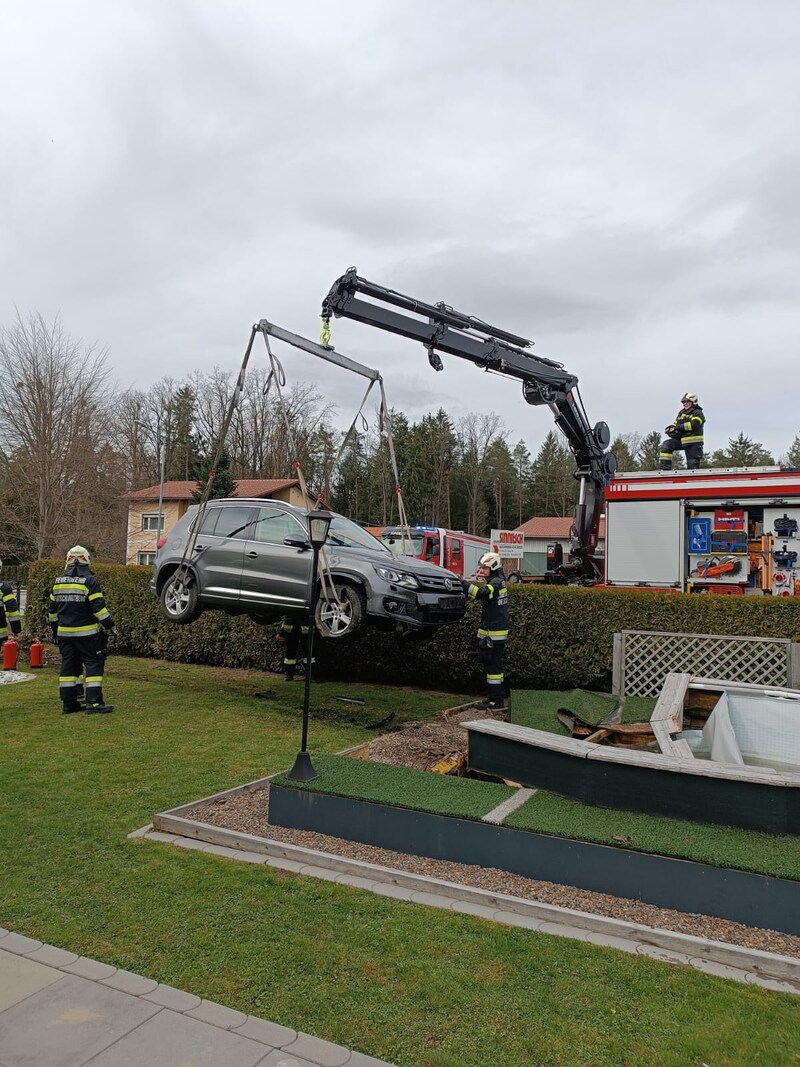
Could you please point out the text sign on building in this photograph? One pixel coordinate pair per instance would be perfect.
(509, 543)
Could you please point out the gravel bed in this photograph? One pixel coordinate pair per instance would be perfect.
(249, 813)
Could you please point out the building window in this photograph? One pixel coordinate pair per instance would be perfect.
(150, 522)
(146, 559)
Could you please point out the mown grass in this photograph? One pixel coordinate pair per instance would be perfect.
(415, 986)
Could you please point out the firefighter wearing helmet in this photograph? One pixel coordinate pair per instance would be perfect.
(80, 622)
(493, 631)
(685, 434)
(10, 619)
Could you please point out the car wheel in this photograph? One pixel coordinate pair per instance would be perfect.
(340, 619)
(180, 600)
(514, 578)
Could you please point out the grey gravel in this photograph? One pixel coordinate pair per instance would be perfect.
(249, 813)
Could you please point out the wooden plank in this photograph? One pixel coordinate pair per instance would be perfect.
(528, 736)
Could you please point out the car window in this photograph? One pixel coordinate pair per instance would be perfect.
(273, 527)
(344, 532)
(209, 521)
(230, 522)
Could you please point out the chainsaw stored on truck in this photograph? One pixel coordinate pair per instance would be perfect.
(441, 329)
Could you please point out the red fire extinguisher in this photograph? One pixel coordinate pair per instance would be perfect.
(10, 653)
(36, 653)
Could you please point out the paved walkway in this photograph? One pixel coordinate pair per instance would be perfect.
(62, 1010)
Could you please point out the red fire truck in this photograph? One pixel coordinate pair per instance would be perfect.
(459, 552)
(710, 530)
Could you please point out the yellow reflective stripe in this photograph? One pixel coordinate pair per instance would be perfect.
(3, 631)
(692, 440)
(494, 677)
(499, 634)
(9, 596)
(95, 680)
(81, 588)
(77, 630)
(95, 596)
(473, 591)
(103, 613)
(52, 617)
(491, 591)
(68, 679)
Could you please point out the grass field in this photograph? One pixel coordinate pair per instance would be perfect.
(415, 986)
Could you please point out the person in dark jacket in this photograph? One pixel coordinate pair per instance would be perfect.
(10, 619)
(493, 630)
(80, 622)
(291, 634)
(685, 434)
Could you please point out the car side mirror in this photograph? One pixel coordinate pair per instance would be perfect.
(297, 542)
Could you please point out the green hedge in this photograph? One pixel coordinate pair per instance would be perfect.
(561, 637)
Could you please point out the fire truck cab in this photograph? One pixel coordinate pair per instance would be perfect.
(731, 531)
(453, 549)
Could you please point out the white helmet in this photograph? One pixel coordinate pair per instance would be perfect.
(692, 397)
(492, 561)
(78, 554)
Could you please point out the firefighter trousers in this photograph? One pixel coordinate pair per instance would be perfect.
(81, 656)
(491, 653)
(694, 453)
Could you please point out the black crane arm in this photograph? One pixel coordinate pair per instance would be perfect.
(442, 329)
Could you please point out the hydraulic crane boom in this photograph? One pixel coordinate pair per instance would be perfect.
(442, 329)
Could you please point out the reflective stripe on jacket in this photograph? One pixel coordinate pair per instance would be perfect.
(77, 606)
(493, 596)
(9, 611)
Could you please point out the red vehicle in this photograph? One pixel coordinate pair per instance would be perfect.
(455, 550)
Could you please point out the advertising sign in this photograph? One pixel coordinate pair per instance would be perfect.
(509, 543)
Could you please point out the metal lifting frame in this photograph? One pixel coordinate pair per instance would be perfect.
(544, 382)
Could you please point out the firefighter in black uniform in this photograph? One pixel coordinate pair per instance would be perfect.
(290, 635)
(686, 434)
(493, 631)
(80, 622)
(10, 620)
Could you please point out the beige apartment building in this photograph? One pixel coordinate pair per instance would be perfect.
(143, 525)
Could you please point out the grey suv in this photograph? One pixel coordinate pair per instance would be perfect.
(253, 557)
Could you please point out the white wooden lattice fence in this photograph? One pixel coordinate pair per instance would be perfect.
(643, 659)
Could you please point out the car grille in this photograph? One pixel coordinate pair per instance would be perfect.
(433, 583)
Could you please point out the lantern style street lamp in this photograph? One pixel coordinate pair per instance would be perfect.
(319, 523)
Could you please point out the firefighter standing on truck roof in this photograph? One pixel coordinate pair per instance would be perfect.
(10, 620)
(493, 630)
(686, 434)
(80, 622)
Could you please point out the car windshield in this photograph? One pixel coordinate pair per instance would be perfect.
(399, 545)
(347, 534)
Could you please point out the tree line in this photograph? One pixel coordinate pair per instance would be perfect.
(72, 445)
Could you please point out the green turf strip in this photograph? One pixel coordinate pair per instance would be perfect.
(403, 787)
(537, 708)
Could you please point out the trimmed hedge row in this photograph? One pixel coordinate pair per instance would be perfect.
(561, 637)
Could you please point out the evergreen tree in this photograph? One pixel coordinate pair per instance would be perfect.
(793, 455)
(742, 451)
(555, 488)
(223, 484)
(182, 445)
(625, 456)
(647, 456)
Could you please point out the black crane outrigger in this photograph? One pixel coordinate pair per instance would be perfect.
(442, 329)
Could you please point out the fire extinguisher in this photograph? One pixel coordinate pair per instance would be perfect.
(36, 653)
(10, 653)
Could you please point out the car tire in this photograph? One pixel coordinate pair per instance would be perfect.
(340, 620)
(514, 578)
(180, 603)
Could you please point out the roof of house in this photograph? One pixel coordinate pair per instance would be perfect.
(245, 487)
(554, 526)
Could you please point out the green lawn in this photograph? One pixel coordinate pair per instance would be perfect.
(416, 986)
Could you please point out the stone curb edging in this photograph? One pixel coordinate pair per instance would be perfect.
(295, 1043)
(755, 966)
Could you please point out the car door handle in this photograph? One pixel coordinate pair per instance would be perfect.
(199, 548)
(252, 555)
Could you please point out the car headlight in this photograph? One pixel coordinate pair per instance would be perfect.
(398, 577)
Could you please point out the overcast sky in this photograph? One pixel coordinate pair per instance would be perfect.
(617, 181)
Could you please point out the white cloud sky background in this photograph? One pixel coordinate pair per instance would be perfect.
(617, 181)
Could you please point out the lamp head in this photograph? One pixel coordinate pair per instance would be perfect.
(319, 523)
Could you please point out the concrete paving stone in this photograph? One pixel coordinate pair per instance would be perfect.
(3, 931)
(68, 1023)
(663, 955)
(143, 831)
(278, 1058)
(513, 918)
(387, 889)
(358, 1059)
(432, 900)
(355, 881)
(266, 1032)
(319, 872)
(467, 907)
(172, 998)
(218, 1015)
(719, 970)
(772, 983)
(623, 944)
(128, 982)
(235, 854)
(20, 976)
(172, 1040)
(564, 930)
(283, 864)
(159, 835)
(52, 956)
(91, 969)
(191, 844)
(20, 944)
(318, 1051)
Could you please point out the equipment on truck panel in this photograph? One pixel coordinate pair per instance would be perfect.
(442, 329)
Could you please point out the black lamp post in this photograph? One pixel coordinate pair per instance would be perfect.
(319, 522)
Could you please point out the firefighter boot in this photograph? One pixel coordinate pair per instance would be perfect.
(70, 708)
(95, 705)
(288, 676)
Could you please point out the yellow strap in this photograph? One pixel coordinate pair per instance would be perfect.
(325, 334)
